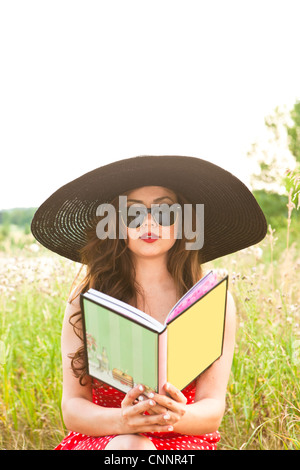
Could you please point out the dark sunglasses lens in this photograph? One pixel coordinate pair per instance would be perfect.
(134, 217)
(165, 215)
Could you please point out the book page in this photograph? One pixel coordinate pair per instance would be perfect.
(121, 353)
(124, 309)
(194, 294)
(195, 338)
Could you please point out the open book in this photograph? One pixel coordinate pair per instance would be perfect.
(125, 346)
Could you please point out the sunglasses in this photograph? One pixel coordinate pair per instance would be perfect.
(163, 214)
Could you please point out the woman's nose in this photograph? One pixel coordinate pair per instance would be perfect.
(149, 221)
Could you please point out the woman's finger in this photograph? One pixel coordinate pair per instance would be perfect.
(155, 428)
(175, 393)
(166, 402)
(139, 409)
(153, 420)
(174, 402)
(157, 409)
(138, 418)
(132, 395)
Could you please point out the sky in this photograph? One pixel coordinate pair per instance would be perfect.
(84, 83)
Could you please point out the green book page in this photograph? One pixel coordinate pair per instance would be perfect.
(120, 352)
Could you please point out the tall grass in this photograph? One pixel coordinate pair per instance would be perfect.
(263, 398)
(33, 297)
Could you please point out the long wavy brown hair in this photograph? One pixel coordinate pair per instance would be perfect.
(110, 269)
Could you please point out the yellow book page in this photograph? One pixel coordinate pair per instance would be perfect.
(195, 338)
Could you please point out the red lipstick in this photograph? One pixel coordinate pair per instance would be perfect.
(149, 237)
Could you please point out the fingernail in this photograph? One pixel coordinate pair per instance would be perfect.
(151, 395)
(170, 428)
(141, 398)
(167, 416)
(167, 386)
(141, 388)
(152, 403)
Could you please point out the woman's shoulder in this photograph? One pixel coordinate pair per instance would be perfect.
(230, 300)
(73, 302)
(230, 309)
(74, 295)
(72, 314)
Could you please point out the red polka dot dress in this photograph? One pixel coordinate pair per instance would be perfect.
(104, 395)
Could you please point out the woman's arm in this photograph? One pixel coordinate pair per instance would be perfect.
(205, 415)
(80, 414)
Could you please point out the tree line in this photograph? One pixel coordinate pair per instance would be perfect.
(20, 217)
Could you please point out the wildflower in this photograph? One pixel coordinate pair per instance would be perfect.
(258, 252)
(221, 272)
(34, 248)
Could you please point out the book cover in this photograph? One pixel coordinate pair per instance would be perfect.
(125, 347)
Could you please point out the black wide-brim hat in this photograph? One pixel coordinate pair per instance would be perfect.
(233, 219)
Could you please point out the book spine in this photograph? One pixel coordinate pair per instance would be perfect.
(162, 360)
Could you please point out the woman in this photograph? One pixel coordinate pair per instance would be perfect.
(149, 268)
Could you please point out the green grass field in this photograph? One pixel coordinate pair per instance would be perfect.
(263, 393)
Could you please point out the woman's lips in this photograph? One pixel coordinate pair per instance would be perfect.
(149, 237)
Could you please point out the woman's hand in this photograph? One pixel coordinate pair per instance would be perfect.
(174, 403)
(133, 419)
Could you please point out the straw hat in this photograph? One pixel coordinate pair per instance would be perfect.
(233, 219)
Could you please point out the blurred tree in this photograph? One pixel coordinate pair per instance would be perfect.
(293, 131)
(19, 216)
(272, 153)
(277, 157)
(273, 206)
(5, 226)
